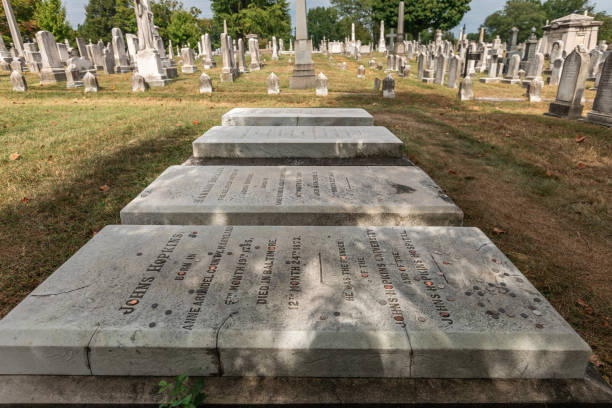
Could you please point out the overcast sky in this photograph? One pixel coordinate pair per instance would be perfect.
(480, 10)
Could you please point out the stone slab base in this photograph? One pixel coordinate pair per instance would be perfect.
(43, 391)
(52, 76)
(600, 118)
(564, 110)
(189, 69)
(297, 117)
(302, 82)
(171, 72)
(123, 70)
(393, 302)
(428, 80)
(325, 195)
(511, 81)
(297, 142)
(227, 77)
(329, 161)
(158, 82)
(490, 80)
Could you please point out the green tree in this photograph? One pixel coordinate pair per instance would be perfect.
(51, 16)
(24, 14)
(559, 8)
(522, 14)
(421, 14)
(323, 22)
(183, 29)
(605, 30)
(266, 18)
(101, 16)
(360, 12)
(162, 14)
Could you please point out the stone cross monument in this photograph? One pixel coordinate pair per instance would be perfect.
(303, 73)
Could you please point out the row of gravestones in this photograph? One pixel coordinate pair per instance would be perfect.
(295, 242)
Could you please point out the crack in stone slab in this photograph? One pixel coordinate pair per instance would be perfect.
(61, 293)
(217, 351)
(88, 349)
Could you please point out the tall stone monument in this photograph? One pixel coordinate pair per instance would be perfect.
(571, 85)
(382, 47)
(208, 61)
(399, 47)
(147, 58)
(602, 106)
(14, 28)
(303, 73)
(122, 63)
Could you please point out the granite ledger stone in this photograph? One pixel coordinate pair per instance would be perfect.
(293, 195)
(312, 142)
(297, 117)
(290, 301)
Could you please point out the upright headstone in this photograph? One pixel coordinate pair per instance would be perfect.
(388, 86)
(421, 65)
(148, 58)
(303, 72)
(530, 50)
(536, 66)
(241, 57)
(208, 61)
(377, 84)
(556, 71)
(466, 92)
(138, 83)
(122, 63)
(571, 85)
(453, 71)
(534, 89)
(52, 70)
(227, 71)
(493, 71)
(273, 84)
(205, 84)
(512, 75)
(108, 62)
(361, 72)
(602, 106)
(91, 82)
(440, 72)
(19, 82)
(274, 49)
(382, 47)
(63, 52)
(595, 57)
(255, 64)
(73, 72)
(82, 46)
(189, 66)
(321, 86)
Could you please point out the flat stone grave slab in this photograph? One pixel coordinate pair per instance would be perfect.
(297, 142)
(437, 302)
(297, 117)
(268, 195)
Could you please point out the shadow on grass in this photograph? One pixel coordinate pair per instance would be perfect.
(41, 235)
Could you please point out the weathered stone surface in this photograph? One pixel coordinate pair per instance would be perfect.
(296, 195)
(19, 82)
(388, 87)
(297, 142)
(602, 106)
(321, 85)
(205, 84)
(273, 84)
(571, 86)
(297, 117)
(290, 301)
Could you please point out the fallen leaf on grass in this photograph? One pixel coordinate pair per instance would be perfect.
(596, 361)
(178, 125)
(498, 231)
(580, 302)
(212, 107)
(104, 187)
(549, 173)
(195, 123)
(53, 123)
(581, 165)
(25, 200)
(580, 139)
(50, 159)
(452, 172)
(14, 156)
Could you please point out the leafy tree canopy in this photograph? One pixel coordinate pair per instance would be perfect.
(51, 16)
(266, 18)
(525, 14)
(184, 29)
(101, 16)
(24, 14)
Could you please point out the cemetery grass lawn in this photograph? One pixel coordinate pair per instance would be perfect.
(540, 187)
